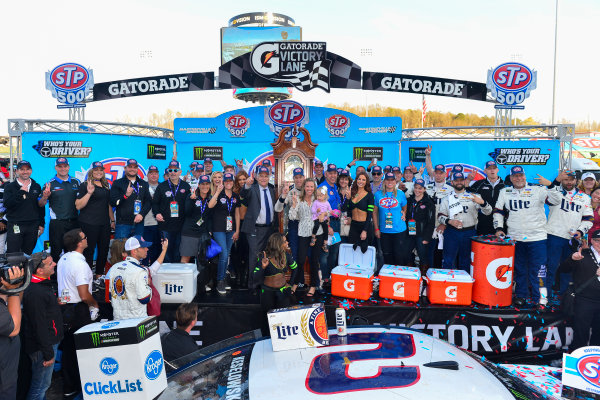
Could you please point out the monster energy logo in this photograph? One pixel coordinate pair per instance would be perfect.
(368, 153)
(198, 153)
(142, 331)
(156, 151)
(96, 339)
(358, 152)
(151, 150)
(214, 152)
(416, 154)
(412, 152)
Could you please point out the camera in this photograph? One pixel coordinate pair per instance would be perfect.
(10, 260)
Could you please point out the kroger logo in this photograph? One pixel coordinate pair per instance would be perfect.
(588, 367)
(237, 125)
(69, 83)
(109, 366)
(153, 365)
(337, 125)
(511, 83)
(109, 325)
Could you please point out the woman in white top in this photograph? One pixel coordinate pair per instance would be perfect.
(301, 211)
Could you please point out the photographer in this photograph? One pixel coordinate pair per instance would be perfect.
(10, 325)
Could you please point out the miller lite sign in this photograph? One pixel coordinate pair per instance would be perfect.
(286, 114)
(298, 327)
(511, 83)
(237, 125)
(337, 125)
(70, 83)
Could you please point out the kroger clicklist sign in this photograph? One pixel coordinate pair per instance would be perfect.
(70, 83)
(511, 83)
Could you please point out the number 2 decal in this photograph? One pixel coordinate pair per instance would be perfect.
(328, 373)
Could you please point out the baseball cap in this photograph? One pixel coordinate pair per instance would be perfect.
(23, 163)
(491, 164)
(135, 242)
(516, 170)
(571, 173)
(263, 170)
(266, 163)
(440, 167)
(166, 170)
(61, 161)
(331, 168)
(319, 163)
(204, 179)
(199, 167)
(227, 177)
(395, 169)
(458, 175)
(97, 164)
(390, 175)
(588, 175)
(387, 168)
(376, 169)
(407, 168)
(420, 182)
(152, 168)
(344, 172)
(207, 159)
(457, 168)
(596, 234)
(174, 164)
(298, 171)
(132, 161)
(193, 164)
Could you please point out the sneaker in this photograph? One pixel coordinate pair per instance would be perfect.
(231, 274)
(227, 284)
(207, 288)
(221, 287)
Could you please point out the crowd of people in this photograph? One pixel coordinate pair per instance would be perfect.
(413, 216)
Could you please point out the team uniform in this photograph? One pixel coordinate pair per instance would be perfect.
(573, 213)
(460, 206)
(63, 214)
(489, 192)
(527, 225)
(437, 192)
(129, 289)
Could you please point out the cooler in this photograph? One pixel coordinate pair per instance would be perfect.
(399, 283)
(449, 286)
(176, 282)
(121, 359)
(492, 268)
(347, 256)
(351, 282)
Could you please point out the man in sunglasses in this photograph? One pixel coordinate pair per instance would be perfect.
(168, 207)
(377, 174)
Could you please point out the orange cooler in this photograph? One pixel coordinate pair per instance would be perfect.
(353, 283)
(449, 286)
(399, 283)
(492, 268)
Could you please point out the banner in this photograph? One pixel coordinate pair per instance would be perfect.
(424, 85)
(367, 153)
(154, 85)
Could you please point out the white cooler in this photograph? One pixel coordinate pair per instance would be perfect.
(176, 283)
(348, 257)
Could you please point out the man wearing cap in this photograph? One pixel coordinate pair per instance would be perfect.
(61, 193)
(285, 202)
(568, 222)
(23, 212)
(196, 173)
(151, 232)
(526, 224)
(131, 198)
(129, 289)
(377, 174)
(458, 212)
(318, 169)
(168, 206)
(188, 176)
(489, 190)
(208, 166)
(329, 259)
(260, 220)
(408, 178)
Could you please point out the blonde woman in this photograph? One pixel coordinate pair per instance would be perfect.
(216, 180)
(389, 219)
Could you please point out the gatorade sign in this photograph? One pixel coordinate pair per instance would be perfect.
(349, 285)
(499, 273)
(452, 292)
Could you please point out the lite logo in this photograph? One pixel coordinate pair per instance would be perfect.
(451, 292)
(398, 289)
(284, 332)
(287, 113)
(499, 272)
(153, 365)
(516, 205)
(349, 285)
(109, 366)
(171, 288)
(588, 367)
(568, 206)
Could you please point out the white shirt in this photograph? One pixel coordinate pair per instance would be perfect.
(262, 215)
(73, 271)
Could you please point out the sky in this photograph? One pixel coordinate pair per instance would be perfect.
(458, 39)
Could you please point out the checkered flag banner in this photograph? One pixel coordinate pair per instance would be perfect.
(318, 76)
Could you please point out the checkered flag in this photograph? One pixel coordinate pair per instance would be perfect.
(318, 76)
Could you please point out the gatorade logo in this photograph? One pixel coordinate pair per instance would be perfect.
(499, 273)
(349, 285)
(398, 289)
(451, 292)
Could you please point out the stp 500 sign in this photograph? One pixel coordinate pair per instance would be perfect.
(69, 83)
(511, 83)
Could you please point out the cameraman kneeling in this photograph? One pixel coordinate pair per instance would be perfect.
(10, 325)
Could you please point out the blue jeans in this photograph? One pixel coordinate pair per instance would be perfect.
(328, 261)
(558, 250)
(292, 237)
(127, 231)
(174, 238)
(152, 234)
(457, 242)
(41, 376)
(530, 268)
(225, 240)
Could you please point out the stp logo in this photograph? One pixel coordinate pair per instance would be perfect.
(588, 367)
(451, 292)
(287, 113)
(69, 83)
(114, 168)
(237, 125)
(337, 125)
(511, 83)
(388, 202)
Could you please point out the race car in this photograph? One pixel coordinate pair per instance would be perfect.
(368, 363)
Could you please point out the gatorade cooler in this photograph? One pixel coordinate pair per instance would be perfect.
(400, 283)
(449, 286)
(348, 257)
(351, 282)
(176, 282)
(492, 268)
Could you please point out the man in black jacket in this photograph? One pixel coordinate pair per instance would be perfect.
(131, 197)
(489, 190)
(42, 324)
(178, 342)
(168, 208)
(24, 214)
(585, 267)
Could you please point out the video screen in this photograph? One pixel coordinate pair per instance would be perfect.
(238, 41)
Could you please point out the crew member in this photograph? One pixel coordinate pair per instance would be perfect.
(489, 190)
(420, 216)
(10, 326)
(61, 192)
(389, 219)
(318, 169)
(377, 174)
(208, 166)
(151, 232)
(178, 342)
(24, 214)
